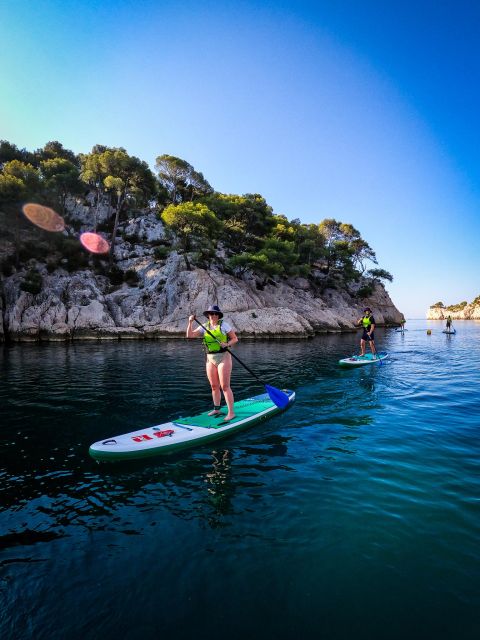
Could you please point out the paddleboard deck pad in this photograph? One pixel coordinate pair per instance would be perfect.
(368, 358)
(183, 433)
(449, 332)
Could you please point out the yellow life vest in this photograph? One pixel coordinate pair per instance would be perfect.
(211, 344)
(366, 322)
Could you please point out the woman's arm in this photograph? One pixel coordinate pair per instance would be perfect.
(232, 339)
(191, 332)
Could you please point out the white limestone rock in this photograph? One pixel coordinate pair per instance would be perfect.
(146, 227)
(85, 305)
(469, 312)
(86, 212)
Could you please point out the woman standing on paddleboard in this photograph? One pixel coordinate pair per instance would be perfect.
(218, 336)
(368, 323)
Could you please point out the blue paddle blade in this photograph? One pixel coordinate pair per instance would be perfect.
(278, 397)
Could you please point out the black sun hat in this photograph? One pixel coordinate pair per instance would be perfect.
(213, 309)
(367, 309)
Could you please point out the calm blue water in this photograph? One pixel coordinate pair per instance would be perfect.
(353, 515)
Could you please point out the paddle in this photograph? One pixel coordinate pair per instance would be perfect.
(279, 398)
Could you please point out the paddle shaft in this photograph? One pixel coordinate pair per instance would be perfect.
(230, 352)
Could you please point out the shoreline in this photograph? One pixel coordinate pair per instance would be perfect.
(135, 334)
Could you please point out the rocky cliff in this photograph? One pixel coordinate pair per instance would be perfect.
(468, 312)
(85, 305)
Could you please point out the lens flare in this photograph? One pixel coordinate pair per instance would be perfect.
(43, 217)
(94, 242)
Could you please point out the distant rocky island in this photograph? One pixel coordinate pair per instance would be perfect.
(461, 311)
(177, 246)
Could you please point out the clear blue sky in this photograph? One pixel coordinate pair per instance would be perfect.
(362, 111)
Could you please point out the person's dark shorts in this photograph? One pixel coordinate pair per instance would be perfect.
(366, 337)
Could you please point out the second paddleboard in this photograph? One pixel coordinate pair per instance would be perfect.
(358, 361)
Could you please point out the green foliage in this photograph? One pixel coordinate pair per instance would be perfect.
(129, 178)
(194, 225)
(12, 189)
(476, 301)
(126, 180)
(251, 236)
(335, 247)
(180, 180)
(100, 264)
(55, 150)
(365, 291)
(204, 255)
(103, 226)
(115, 275)
(73, 256)
(26, 173)
(380, 274)
(283, 229)
(131, 277)
(310, 244)
(241, 263)
(281, 252)
(161, 252)
(345, 248)
(133, 238)
(247, 220)
(31, 249)
(277, 257)
(437, 305)
(10, 152)
(32, 282)
(91, 170)
(303, 270)
(457, 307)
(60, 178)
(259, 263)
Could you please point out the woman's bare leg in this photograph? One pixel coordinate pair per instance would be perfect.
(224, 373)
(212, 375)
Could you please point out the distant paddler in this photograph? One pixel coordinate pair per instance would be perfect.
(218, 336)
(449, 323)
(367, 321)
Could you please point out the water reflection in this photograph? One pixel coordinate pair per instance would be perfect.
(220, 486)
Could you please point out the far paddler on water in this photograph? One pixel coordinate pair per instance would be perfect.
(449, 326)
(367, 322)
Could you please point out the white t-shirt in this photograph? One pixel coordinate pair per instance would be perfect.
(226, 328)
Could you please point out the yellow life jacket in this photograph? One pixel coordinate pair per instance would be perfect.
(211, 344)
(366, 322)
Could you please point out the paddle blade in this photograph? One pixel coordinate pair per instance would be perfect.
(277, 397)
